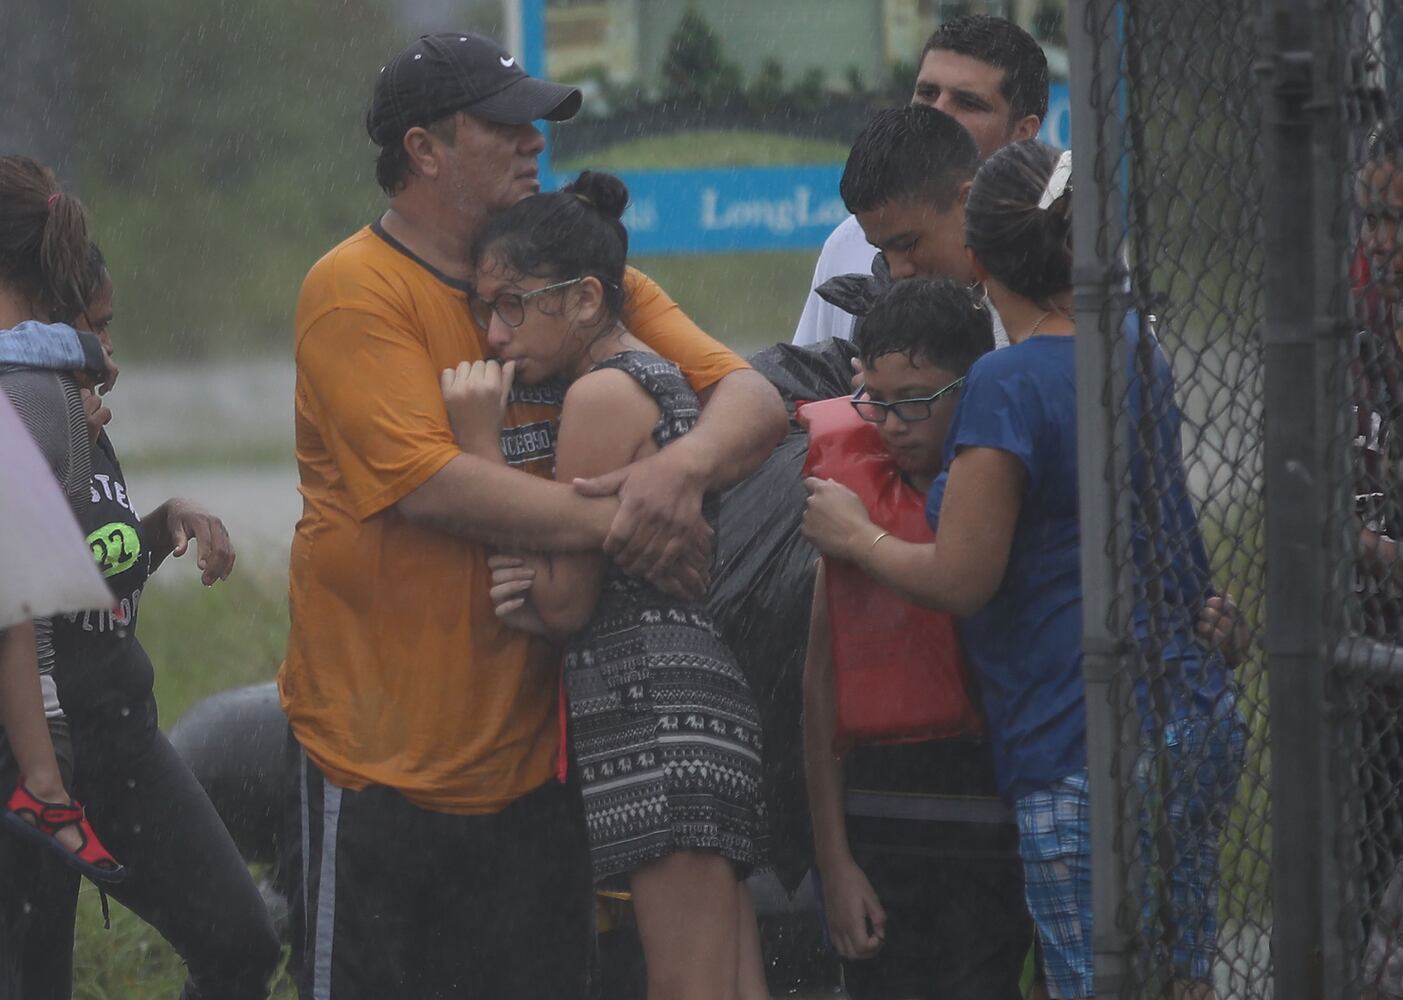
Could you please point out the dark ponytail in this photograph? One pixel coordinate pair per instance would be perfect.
(44, 241)
(1027, 248)
(575, 232)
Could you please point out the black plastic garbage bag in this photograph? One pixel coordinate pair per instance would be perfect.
(763, 587)
(855, 293)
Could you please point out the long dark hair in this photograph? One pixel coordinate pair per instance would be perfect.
(575, 232)
(44, 240)
(1027, 248)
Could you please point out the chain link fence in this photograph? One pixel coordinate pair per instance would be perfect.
(1362, 285)
(1240, 179)
(1169, 234)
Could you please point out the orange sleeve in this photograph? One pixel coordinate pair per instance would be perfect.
(379, 407)
(652, 317)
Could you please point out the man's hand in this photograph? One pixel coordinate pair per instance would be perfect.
(659, 533)
(475, 395)
(184, 520)
(1221, 627)
(95, 412)
(856, 921)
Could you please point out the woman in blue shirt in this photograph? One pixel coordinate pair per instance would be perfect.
(1007, 561)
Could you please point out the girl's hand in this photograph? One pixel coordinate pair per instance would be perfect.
(1222, 627)
(475, 395)
(836, 521)
(511, 583)
(95, 412)
(186, 520)
(512, 577)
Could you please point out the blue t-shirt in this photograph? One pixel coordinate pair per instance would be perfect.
(1025, 644)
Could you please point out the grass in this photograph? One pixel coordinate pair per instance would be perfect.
(745, 300)
(1234, 539)
(252, 454)
(708, 148)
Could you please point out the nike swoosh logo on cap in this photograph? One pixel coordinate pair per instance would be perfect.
(507, 62)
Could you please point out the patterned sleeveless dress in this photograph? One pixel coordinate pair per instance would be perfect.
(665, 730)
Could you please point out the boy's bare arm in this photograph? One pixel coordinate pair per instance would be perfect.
(856, 920)
(823, 771)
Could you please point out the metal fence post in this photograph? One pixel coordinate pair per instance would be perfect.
(1098, 227)
(1334, 46)
(1295, 592)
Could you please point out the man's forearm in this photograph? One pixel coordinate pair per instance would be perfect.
(741, 422)
(487, 502)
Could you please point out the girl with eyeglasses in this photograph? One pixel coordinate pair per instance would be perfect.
(664, 729)
(1006, 561)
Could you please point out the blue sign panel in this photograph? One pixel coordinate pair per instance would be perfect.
(728, 209)
(752, 208)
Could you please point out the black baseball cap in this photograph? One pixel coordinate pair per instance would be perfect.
(453, 71)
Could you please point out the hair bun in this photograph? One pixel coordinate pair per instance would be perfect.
(603, 191)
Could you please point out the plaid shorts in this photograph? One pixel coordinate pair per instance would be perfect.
(1197, 766)
(1186, 788)
(1054, 840)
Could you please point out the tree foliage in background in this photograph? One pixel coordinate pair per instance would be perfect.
(696, 70)
(222, 150)
(767, 92)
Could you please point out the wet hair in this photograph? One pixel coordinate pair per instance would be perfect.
(934, 320)
(392, 167)
(1027, 248)
(96, 265)
(1385, 142)
(910, 152)
(43, 240)
(999, 42)
(575, 232)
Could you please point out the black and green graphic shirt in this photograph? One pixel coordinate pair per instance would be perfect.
(103, 676)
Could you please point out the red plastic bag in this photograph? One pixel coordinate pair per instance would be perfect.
(899, 670)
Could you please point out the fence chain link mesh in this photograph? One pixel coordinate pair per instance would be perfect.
(1178, 162)
(1178, 105)
(1361, 262)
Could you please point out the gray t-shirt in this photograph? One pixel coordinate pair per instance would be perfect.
(50, 405)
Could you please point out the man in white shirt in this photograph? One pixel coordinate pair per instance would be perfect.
(990, 76)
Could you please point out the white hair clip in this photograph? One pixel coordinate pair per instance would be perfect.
(1057, 183)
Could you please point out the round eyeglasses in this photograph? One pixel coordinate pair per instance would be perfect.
(510, 307)
(908, 411)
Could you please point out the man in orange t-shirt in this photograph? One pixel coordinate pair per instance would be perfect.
(435, 842)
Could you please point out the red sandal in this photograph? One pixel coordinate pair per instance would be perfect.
(40, 821)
